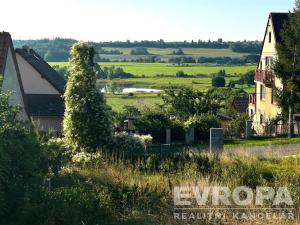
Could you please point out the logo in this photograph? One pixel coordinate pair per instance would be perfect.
(240, 203)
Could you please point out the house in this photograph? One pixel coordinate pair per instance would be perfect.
(10, 76)
(36, 86)
(262, 105)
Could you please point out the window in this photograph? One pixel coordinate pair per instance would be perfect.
(269, 62)
(270, 37)
(261, 119)
(262, 91)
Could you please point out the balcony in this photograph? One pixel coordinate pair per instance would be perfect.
(252, 99)
(264, 76)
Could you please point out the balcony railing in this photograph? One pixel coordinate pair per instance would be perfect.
(252, 99)
(264, 76)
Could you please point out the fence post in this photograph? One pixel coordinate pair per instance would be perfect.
(168, 136)
(216, 141)
(190, 135)
(248, 131)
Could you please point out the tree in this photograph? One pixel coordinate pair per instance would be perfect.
(187, 102)
(21, 167)
(287, 67)
(221, 73)
(87, 123)
(180, 73)
(178, 52)
(139, 51)
(218, 81)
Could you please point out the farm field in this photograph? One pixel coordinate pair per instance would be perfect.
(167, 53)
(153, 69)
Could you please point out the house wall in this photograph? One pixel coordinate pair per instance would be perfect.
(46, 124)
(264, 106)
(11, 83)
(33, 82)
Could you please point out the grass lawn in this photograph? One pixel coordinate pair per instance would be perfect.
(262, 142)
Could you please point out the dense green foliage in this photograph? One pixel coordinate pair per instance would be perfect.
(202, 124)
(87, 122)
(186, 102)
(114, 73)
(287, 67)
(218, 81)
(126, 144)
(21, 164)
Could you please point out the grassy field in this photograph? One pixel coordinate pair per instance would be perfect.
(153, 69)
(166, 53)
(147, 78)
(118, 101)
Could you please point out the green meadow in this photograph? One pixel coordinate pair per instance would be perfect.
(153, 69)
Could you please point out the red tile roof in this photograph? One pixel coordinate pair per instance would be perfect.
(5, 42)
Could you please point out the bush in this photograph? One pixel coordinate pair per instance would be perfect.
(218, 81)
(180, 74)
(153, 122)
(202, 124)
(127, 143)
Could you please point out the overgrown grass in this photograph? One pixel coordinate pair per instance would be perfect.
(134, 194)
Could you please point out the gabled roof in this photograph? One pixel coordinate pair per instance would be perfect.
(278, 20)
(4, 46)
(46, 71)
(240, 104)
(45, 105)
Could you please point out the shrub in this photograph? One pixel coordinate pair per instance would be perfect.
(153, 122)
(180, 73)
(56, 152)
(127, 143)
(218, 81)
(146, 139)
(202, 124)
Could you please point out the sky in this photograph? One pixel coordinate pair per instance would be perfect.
(121, 20)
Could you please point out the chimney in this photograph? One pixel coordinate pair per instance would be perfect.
(26, 47)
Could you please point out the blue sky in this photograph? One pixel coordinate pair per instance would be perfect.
(171, 20)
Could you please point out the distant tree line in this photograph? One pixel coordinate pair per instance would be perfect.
(58, 49)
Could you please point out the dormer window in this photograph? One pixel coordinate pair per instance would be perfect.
(270, 37)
